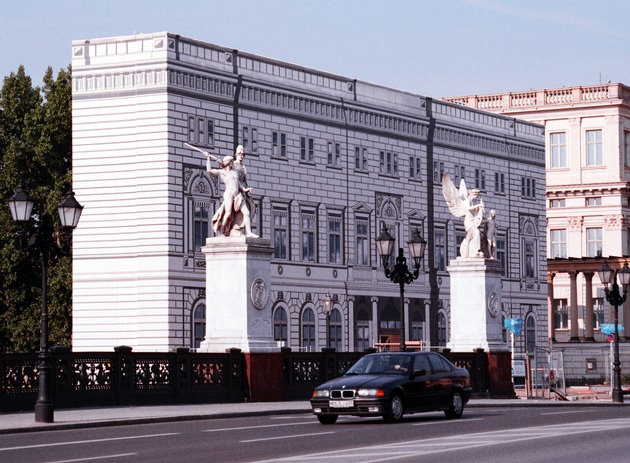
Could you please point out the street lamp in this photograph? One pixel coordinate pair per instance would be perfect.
(400, 273)
(327, 307)
(21, 205)
(614, 297)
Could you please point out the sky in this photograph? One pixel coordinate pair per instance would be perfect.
(435, 48)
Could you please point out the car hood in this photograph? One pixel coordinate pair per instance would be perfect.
(357, 381)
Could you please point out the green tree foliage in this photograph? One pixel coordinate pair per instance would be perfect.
(36, 147)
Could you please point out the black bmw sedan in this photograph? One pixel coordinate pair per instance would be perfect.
(391, 384)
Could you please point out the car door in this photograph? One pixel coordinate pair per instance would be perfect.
(442, 380)
(421, 388)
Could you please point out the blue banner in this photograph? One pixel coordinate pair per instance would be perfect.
(609, 328)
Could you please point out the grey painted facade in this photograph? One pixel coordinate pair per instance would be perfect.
(331, 159)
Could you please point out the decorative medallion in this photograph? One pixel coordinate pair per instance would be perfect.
(259, 293)
(493, 304)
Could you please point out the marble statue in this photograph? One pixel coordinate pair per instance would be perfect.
(461, 203)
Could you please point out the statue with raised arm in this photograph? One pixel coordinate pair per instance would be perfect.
(234, 214)
(461, 203)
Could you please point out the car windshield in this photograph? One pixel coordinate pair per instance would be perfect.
(391, 364)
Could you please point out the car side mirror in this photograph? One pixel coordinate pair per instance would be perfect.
(421, 372)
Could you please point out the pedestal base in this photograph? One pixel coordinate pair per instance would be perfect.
(238, 309)
(476, 305)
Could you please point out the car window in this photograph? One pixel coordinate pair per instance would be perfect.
(438, 364)
(421, 363)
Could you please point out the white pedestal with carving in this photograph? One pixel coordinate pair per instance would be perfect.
(476, 305)
(238, 308)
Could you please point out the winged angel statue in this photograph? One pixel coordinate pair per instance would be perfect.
(461, 204)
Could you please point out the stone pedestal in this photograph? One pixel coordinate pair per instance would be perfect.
(476, 305)
(238, 308)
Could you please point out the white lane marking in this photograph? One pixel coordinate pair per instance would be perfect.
(91, 441)
(429, 423)
(121, 455)
(261, 426)
(568, 412)
(286, 437)
(409, 449)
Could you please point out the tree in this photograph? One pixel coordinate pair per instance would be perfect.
(36, 147)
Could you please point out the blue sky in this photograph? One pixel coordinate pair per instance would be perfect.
(433, 47)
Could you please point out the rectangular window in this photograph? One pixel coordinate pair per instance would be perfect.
(334, 239)
(499, 182)
(598, 312)
(280, 232)
(529, 260)
(363, 241)
(279, 144)
(307, 149)
(360, 158)
(554, 203)
(459, 237)
(309, 244)
(558, 150)
(593, 242)
(501, 252)
(626, 148)
(528, 187)
(590, 202)
(245, 140)
(480, 179)
(210, 133)
(439, 239)
(201, 225)
(438, 171)
(558, 244)
(415, 167)
(561, 314)
(388, 163)
(594, 153)
(334, 154)
(363, 334)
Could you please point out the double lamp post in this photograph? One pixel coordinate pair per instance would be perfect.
(400, 273)
(46, 236)
(616, 298)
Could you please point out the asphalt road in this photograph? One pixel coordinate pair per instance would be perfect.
(502, 434)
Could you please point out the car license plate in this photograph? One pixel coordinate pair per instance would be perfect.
(341, 403)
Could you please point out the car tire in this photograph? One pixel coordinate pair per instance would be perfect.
(456, 408)
(396, 409)
(327, 419)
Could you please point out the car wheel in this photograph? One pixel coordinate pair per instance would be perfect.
(396, 409)
(456, 408)
(327, 419)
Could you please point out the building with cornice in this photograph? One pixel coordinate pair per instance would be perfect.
(587, 139)
(331, 160)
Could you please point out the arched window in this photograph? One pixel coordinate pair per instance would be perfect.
(199, 325)
(363, 331)
(334, 329)
(280, 325)
(530, 334)
(308, 330)
(442, 329)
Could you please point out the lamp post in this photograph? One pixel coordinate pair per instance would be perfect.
(400, 273)
(327, 307)
(21, 205)
(614, 297)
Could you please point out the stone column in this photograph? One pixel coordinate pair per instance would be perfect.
(374, 320)
(588, 302)
(550, 309)
(351, 327)
(573, 306)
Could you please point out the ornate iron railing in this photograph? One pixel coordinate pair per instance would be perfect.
(125, 378)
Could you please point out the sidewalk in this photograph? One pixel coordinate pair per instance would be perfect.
(118, 416)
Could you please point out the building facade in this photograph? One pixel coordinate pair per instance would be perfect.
(331, 161)
(587, 157)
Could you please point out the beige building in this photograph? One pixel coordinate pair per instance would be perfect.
(587, 156)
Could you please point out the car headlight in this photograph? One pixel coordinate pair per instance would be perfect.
(321, 393)
(370, 393)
